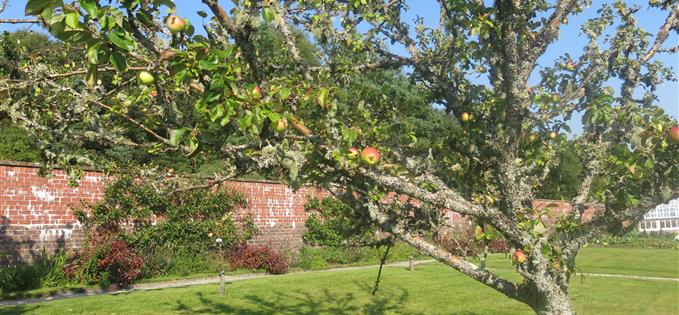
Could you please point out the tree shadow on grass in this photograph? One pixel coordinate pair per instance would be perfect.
(300, 302)
(18, 309)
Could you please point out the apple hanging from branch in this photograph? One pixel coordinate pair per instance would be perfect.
(145, 78)
(353, 153)
(674, 134)
(370, 156)
(175, 24)
(519, 257)
(465, 117)
(281, 125)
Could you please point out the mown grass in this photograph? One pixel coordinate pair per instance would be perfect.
(430, 289)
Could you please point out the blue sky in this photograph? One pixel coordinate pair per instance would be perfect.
(569, 41)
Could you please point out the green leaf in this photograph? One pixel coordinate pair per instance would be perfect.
(202, 14)
(245, 121)
(216, 112)
(35, 7)
(90, 6)
(322, 97)
(177, 135)
(207, 65)
(193, 145)
(121, 41)
(93, 53)
(72, 20)
(268, 14)
(92, 76)
(118, 61)
(284, 93)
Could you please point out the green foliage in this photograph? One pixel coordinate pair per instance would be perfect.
(191, 225)
(191, 220)
(16, 144)
(45, 271)
(638, 240)
(563, 181)
(321, 257)
(333, 223)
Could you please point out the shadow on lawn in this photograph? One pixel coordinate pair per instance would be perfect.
(18, 309)
(300, 302)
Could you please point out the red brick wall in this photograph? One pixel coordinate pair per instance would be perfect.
(278, 211)
(36, 212)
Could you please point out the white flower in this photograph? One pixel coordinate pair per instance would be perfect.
(218, 240)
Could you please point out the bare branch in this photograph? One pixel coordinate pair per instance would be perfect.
(670, 23)
(550, 31)
(19, 21)
(241, 35)
(290, 40)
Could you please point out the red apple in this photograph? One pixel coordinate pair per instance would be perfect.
(175, 24)
(465, 117)
(674, 134)
(519, 257)
(353, 153)
(281, 125)
(256, 92)
(370, 156)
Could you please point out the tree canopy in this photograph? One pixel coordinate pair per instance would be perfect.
(147, 79)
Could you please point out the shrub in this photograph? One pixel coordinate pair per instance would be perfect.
(318, 257)
(333, 223)
(257, 257)
(191, 220)
(176, 233)
(639, 240)
(107, 260)
(17, 144)
(45, 271)
(166, 261)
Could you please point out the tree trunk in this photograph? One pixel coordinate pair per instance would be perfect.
(547, 298)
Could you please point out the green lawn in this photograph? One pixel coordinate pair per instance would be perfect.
(621, 261)
(430, 289)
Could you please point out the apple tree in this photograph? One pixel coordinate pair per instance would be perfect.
(213, 88)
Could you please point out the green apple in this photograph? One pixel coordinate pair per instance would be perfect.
(353, 153)
(465, 117)
(281, 125)
(145, 78)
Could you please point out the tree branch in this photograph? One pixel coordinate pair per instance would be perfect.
(486, 277)
(290, 40)
(19, 21)
(241, 35)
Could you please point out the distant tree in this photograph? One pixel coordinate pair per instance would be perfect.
(564, 179)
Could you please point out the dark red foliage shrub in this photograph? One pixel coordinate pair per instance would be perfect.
(107, 260)
(257, 257)
(498, 246)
